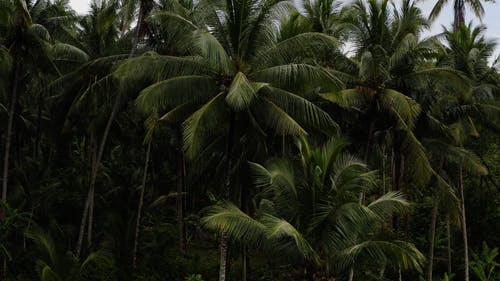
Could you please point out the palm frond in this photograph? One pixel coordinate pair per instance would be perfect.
(241, 93)
(175, 91)
(299, 76)
(302, 110)
(295, 49)
(68, 53)
(406, 108)
(389, 204)
(279, 229)
(154, 68)
(459, 156)
(227, 218)
(211, 49)
(277, 118)
(205, 122)
(346, 98)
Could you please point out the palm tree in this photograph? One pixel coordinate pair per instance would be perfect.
(308, 210)
(459, 10)
(237, 77)
(383, 80)
(468, 51)
(326, 16)
(55, 263)
(32, 51)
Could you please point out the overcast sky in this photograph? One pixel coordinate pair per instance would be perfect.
(491, 18)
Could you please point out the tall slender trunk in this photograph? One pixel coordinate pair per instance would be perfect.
(137, 33)
(351, 274)
(10, 123)
(384, 159)
(432, 239)
(102, 144)
(369, 141)
(91, 194)
(79, 243)
(464, 226)
(224, 242)
(224, 248)
(448, 240)
(38, 124)
(244, 256)
(459, 11)
(180, 199)
(90, 208)
(244, 261)
(91, 153)
(139, 206)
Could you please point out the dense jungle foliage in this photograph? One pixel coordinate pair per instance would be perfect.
(222, 140)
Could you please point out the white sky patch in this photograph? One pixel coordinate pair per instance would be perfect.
(80, 6)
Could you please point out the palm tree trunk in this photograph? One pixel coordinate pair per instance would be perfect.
(104, 138)
(244, 258)
(180, 200)
(89, 206)
(448, 238)
(10, 123)
(139, 207)
(83, 223)
(464, 226)
(137, 33)
(38, 124)
(351, 274)
(91, 194)
(224, 242)
(79, 243)
(224, 248)
(433, 238)
(459, 10)
(369, 141)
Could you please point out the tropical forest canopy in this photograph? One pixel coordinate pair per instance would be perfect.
(247, 140)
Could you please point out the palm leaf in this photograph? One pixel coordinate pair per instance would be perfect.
(302, 110)
(227, 218)
(241, 93)
(299, 76)
(297, 48)
(276, 118)
(175, 91)
(203, 123)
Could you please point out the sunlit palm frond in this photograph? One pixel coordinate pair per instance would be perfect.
(299, 76)
(227, 218)
(389, 204)
(279, 229)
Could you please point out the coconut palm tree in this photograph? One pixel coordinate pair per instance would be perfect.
(384, 79)
(459, 10)
(236, 77)
(468, 51)
(55, 263)
(309, 211)
(33, 54)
